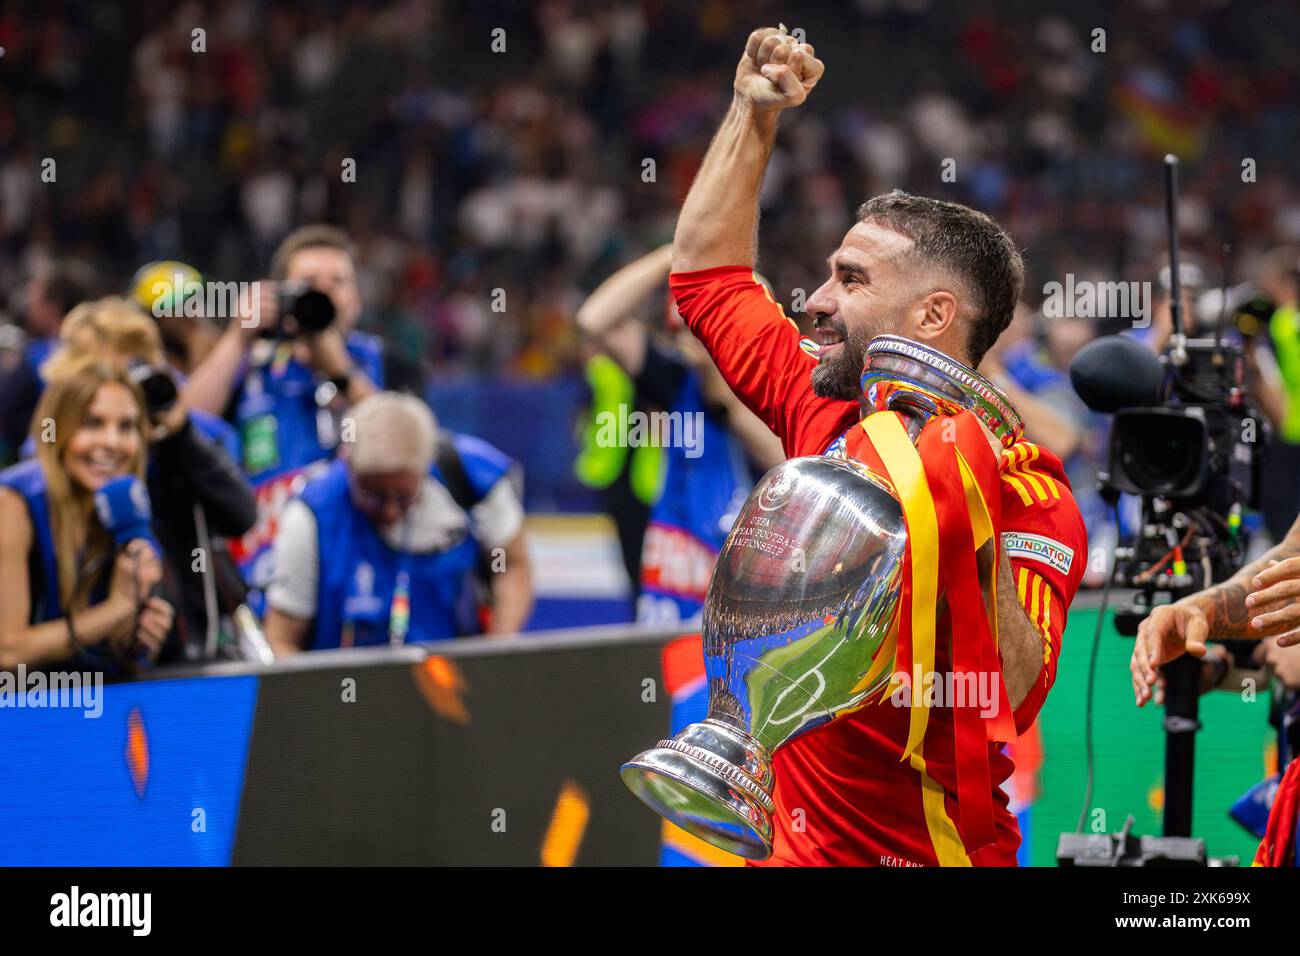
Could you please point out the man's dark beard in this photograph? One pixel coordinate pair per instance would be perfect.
(840, 377)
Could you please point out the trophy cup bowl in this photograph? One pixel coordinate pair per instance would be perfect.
(800, 618)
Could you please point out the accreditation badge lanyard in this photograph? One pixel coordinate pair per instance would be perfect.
(399, 610)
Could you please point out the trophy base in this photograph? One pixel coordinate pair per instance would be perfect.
(714, 782)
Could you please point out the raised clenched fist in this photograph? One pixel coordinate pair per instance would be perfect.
(775, 72)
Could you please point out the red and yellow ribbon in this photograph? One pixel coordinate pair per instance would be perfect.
(948, 487)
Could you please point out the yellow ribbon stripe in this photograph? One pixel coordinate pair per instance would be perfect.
(903, 463)
(981, 525)
(948, 848)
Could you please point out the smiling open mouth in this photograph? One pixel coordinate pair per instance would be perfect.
(104, 468)
(827, 340)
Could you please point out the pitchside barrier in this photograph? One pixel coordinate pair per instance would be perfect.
(492, 752)
(480, 752)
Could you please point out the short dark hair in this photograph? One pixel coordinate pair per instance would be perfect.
(309, 237)
(969, 244)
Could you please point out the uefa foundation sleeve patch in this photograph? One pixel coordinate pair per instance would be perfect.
(1035, 547)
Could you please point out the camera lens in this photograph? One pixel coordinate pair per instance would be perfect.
(157, 386)
(312, 310)
(1160, 454)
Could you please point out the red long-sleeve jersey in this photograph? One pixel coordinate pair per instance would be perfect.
(843, 794)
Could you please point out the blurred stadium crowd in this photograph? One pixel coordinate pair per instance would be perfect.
(526, 176)
(522, 170)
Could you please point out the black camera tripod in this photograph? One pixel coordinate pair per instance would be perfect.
(1182, 713)
(1203, 557)
(1176, 846)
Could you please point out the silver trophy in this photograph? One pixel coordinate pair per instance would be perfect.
(801, 607)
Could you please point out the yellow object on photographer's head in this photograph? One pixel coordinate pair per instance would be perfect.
(162, 288)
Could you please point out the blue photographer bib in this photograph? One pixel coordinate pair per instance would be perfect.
(276, 411)
(368, 592)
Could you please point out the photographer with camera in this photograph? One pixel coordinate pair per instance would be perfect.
(199, 495)
(284, 371)
(292, 356)
(79, 572)
(391, 543)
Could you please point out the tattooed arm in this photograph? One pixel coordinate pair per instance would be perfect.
(1258, 601)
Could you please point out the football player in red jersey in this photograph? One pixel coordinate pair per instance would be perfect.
(948, 277)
